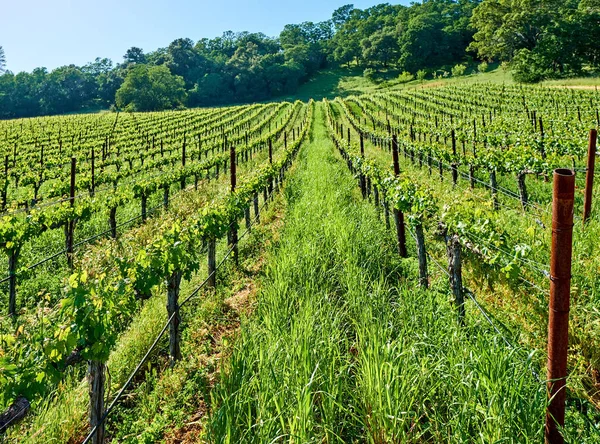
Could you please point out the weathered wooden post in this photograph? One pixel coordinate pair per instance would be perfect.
(173, 286)
(93, 172)
(5, 185)
(455, 271)
(96, 382)
(270, 163)
(422, 255)
(454, 165)
(70, 225)
(233, 232)
(398, 215)
(363, 186)
(560, 289)
(212, 262)
(523, 189)
(589, 175)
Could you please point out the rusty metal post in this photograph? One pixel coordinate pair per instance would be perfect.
(398, 215)
(560, 287)
(589, 176)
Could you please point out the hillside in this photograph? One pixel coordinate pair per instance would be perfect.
(263, 272)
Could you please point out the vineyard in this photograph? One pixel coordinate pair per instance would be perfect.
(398, 246)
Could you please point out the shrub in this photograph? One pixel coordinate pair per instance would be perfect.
(406, 77)
(528, 67)
(458, 70)
(421, 74)
(369, 73)
(483, 67)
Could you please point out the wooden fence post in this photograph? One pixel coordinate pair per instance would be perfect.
(494, 189)
(455, 271)
(422, 255)
(96, 381)
(454, 165)
(70, 226)
(233, 232)
(523, 189)
(5, 185)
(398, 215)
(560, 289)
(212, 262)
(363, 186)
(93, 172)
(173, 313)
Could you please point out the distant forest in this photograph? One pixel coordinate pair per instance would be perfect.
(536, 39)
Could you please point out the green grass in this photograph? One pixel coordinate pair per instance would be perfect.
(344, 348)
(343, 82)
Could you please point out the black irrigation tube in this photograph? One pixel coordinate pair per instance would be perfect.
(164, 329)
(43, 261)
(85, 241)
(487, 316)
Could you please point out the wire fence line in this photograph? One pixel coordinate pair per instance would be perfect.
(166, 325)
(484, 312)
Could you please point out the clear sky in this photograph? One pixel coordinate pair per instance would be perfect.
(53, 33)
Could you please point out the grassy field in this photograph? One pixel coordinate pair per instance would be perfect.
(342, 348)
(322, 334)
(343, 82)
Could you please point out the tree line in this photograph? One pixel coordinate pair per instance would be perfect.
(537, 39)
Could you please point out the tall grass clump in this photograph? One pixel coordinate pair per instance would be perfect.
(341, 348)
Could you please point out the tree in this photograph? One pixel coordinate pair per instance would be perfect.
(183, 60)
(150, 88)
(553, 35)
(423, 43)
(381, 47)
(2, 60)
(341, 15)
(134, 55)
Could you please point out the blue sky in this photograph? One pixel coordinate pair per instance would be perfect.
(53, 33)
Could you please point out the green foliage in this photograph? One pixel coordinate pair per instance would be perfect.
(150, 88)
(369, 73)
(528, 67)
(482, 67)
(551, 36)
(421, 74)
(406, 77)
(380, 47)
(458, 70)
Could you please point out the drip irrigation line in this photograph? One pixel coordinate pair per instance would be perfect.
(533, 265)
(164, 329)
(16, 415)
(111, 188)
(486, 315)
(85, 241)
